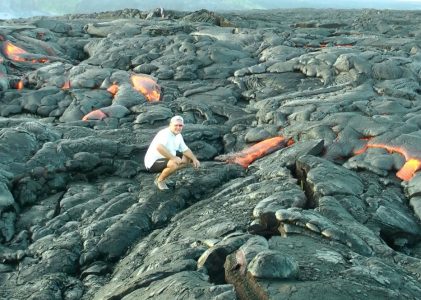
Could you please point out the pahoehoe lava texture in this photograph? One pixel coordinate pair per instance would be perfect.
(307, 124)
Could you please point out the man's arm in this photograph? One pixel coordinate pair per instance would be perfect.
(166, 153)
(189, 154)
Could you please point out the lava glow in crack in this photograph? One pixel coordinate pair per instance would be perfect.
(18, 85)
(408, 170)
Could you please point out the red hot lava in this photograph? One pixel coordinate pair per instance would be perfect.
(408, 170)
(147, 86)
(16, 84)
(249, 155)
(13, 52)
(66, 85)
(17, 54)
(113, 89)
(94, 115)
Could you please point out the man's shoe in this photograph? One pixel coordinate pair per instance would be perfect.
(168, 180)
(161, 185)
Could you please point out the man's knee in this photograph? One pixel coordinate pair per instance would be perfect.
(173, 165)
(185, 160)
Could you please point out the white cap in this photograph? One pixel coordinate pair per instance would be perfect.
(177, 119)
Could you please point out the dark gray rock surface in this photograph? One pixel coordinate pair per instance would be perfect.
(332, 211)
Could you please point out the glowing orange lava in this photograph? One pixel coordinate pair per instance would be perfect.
(40, 60)
(390, 149)
(17, 54)
(19, 85)
(360, 151)
(147, 86)
(94, 115)
(13, 52)
(15, 83)
(408, 170)
(66, 85)
(113, 89)
(247, 156)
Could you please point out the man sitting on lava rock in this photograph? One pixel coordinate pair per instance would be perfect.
(167, 152)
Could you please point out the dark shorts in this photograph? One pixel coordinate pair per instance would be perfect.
(158, 165)
(161, 164)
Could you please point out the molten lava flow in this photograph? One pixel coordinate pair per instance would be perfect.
(363, 148)
(66, 85)
(247, 156)
(18, 54)
(147, 86)
(19, 85)
(113, 89)
(290, 142)
(94, 115)
(13, 52)
(360, 151)
(390, 149)
(16, 84)
(411, 166)
(40, 60)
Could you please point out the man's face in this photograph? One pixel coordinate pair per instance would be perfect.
(176, 127)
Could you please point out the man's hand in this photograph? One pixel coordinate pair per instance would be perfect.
(196, 163)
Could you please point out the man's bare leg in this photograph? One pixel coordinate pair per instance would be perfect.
(165, 173)
(172, 167)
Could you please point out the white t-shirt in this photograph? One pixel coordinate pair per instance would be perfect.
(169, 140)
